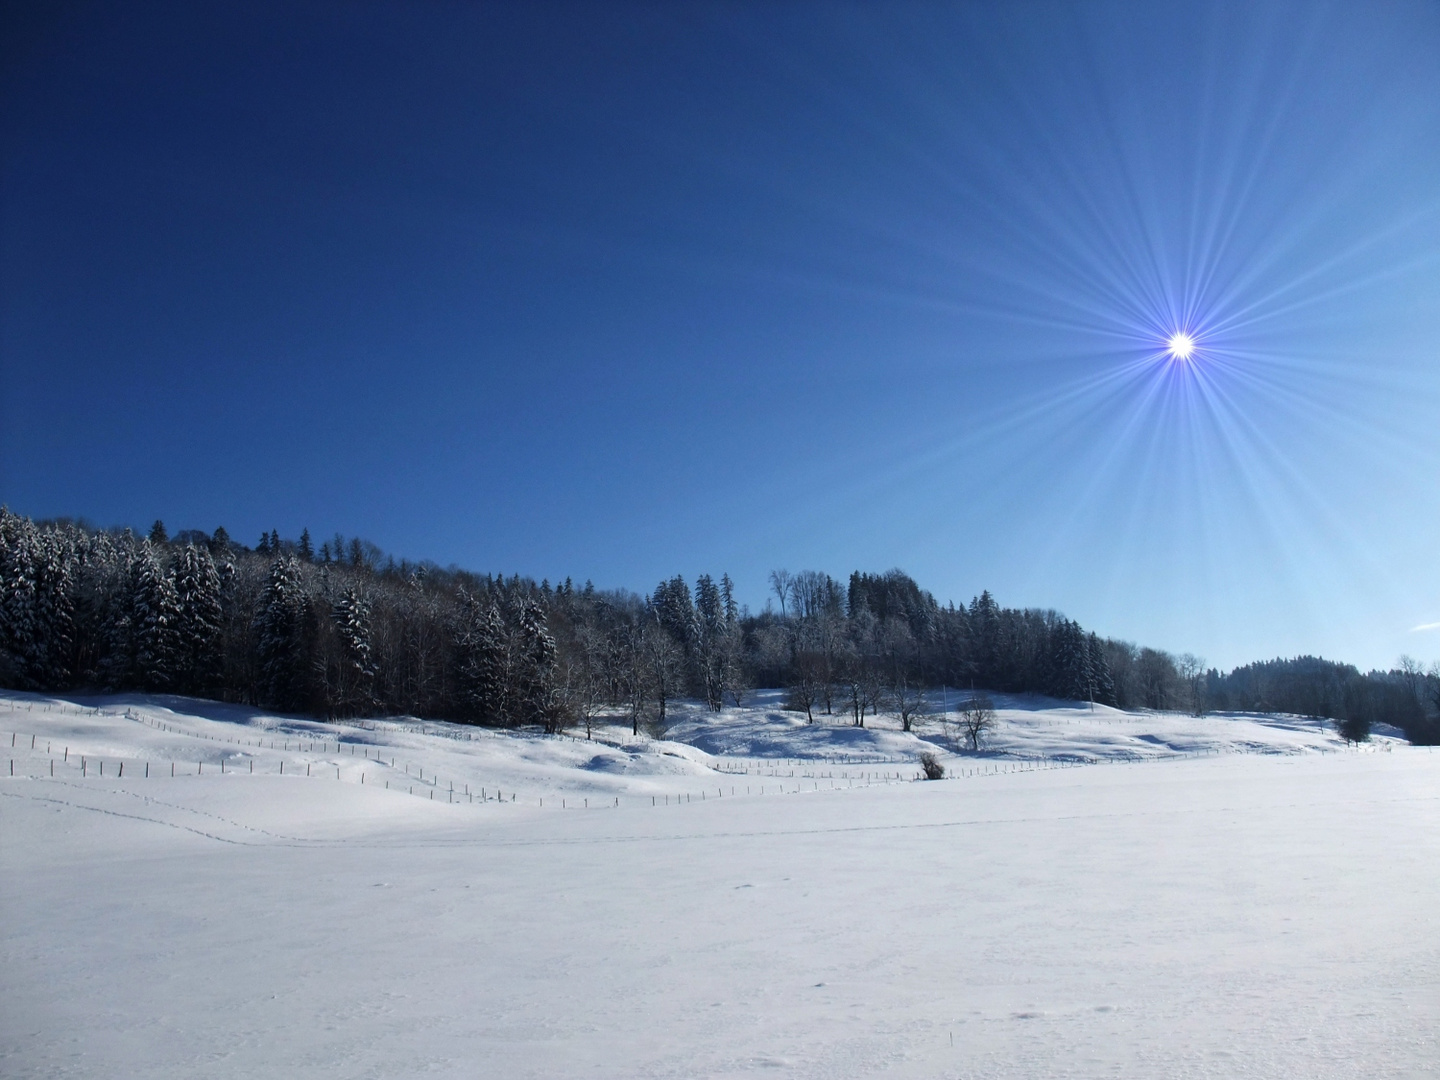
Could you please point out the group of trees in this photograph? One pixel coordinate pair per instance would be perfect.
(877, 643)
(340, 630)
(1406, 697)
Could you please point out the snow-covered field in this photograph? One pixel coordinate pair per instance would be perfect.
(1099, 894)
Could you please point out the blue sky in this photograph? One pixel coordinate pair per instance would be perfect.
(620, 291)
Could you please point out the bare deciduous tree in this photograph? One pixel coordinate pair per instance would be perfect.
(908, 701)
(780, 585)
(1191, 669)
(582, 678)
(807, 686)
(976, 719)
(1412, 675)
(667, 671)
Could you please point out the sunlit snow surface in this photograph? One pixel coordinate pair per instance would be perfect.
(1100, 894)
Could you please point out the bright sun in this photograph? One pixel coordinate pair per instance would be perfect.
(1181, 345)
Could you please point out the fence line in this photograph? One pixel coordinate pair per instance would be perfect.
(788, 784)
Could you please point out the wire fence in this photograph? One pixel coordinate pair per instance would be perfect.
(366, 763)
(40, 757)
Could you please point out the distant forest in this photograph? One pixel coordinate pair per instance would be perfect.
(340, 630)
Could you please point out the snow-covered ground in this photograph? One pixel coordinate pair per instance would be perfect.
(1098, 894)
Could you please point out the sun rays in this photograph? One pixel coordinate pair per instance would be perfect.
(1180, 345)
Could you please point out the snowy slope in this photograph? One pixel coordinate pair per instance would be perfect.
(1215, 899)
(459, 763)
(1028, 727)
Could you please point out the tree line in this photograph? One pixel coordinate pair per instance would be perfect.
(339, 629)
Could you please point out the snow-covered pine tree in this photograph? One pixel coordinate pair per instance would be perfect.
(19, 630)
(52, 659)
(734, 678)
(154, 618)
(280, 633)
(198, 628)
(986, 636)
(92, 585)
(675, 611)
(710, 640)
(241, 597)
(1101, 681)
(354, 678)
(485, 664)
(1068, 674)
(535, 656)
(115, 648)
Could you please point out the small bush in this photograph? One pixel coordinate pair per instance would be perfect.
(931, 764)
(1354, 729)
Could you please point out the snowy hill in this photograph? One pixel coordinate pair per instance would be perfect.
(161, 734)
(190, 888)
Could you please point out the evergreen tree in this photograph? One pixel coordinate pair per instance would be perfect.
(154, 621)
(710, 632)
(306, 548)
(92, 556)
(37, 605)
(985, 632)
(197, 590)
(727, 595)
(1102, 682)
(535, 655)
(485, 665)
(158, 536)
(280, 630)
(55, 608)
(115, 648)
(675, 611)
(1068, 674)
(734, 679)
(353, 691)
(17, 603)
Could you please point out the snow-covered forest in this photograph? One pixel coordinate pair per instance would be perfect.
(338, 629)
